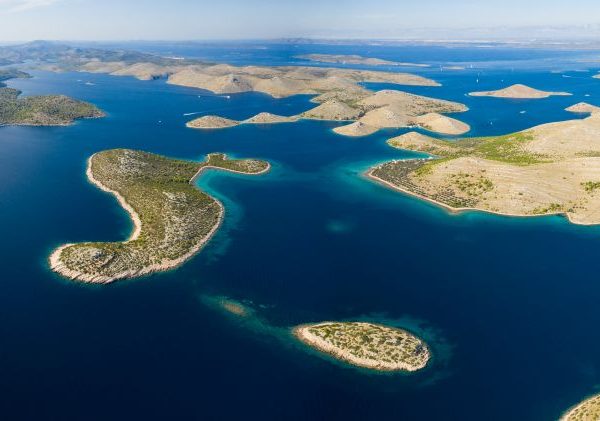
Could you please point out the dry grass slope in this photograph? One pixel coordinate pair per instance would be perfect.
(549, 169)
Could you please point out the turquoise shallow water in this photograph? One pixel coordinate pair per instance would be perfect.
(508, 305)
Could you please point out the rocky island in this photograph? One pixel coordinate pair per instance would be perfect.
(172, 218)
(216, 122)
(549, 169)
(519, 91)
(366, 345)
(583, 108)
(367, 112)
(588, 410)
(355, 59)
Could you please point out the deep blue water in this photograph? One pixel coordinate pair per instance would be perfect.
(508, 305)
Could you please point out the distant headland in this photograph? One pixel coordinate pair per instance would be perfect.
(338, 92)
(355, 59)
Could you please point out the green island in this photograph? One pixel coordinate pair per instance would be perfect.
(367, 345)
(46, 110)
(43, 110)
(173, 219)
(549, 169)
(588, 410)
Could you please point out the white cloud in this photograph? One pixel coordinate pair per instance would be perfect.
(14, 6)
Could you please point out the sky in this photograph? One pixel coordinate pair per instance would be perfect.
(114, 20)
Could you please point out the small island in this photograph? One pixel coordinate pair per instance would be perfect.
(367, 345)
(172, 218)
(355, 59)
(549, 169)
(7, 74)
(583, 108)
(365, 111)
(519, 91)
(588, 410)
(216, 122)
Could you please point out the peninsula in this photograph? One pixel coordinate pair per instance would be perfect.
(366, 345)
(172, 218)
(355, 59)
(588, 410)
(549, 169)
(366, 112)
(519, 92)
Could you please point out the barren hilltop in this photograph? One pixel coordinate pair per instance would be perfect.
(519, 91)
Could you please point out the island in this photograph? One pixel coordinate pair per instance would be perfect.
(43, 110)
(355, 59)
(366, 112)
(7, 74)
(366, 345)
(549, 169)
(583, 108)
(338, 93)
(588, 410)
(172, 218)
(216, 122)
(46, 110)
(519, 91)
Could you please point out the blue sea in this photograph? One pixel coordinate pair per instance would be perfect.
(509, 306)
